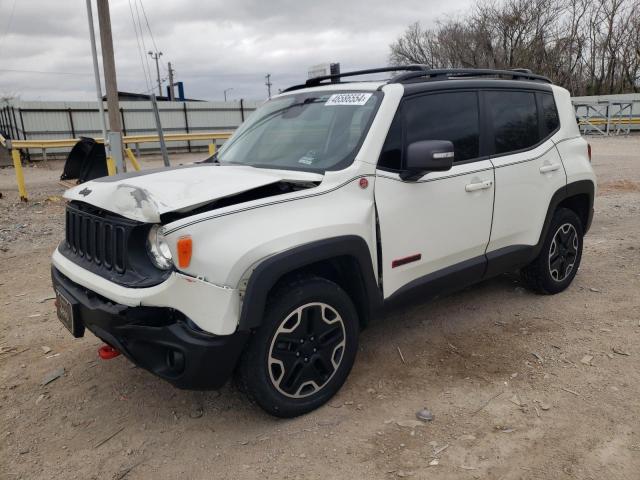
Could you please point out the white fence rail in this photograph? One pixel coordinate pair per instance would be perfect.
(32, 120)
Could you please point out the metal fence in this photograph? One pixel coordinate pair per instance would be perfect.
(33, 120)
(608, 114)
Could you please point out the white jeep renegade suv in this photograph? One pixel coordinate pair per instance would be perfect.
(331, 199)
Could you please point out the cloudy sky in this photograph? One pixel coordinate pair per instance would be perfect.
(212, 44)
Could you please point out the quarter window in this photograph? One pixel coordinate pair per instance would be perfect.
(391, 155)
(550, 120)
(514, 118)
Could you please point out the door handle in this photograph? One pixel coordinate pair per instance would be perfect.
(472, 187)
(549, 168)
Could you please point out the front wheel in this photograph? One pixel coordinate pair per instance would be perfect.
(557, 263)
(304, 349)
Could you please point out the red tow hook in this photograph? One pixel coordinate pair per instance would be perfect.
(107, 352)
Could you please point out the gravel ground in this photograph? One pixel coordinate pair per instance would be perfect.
(522, 386)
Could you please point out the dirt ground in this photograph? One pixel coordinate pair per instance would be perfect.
(522, 386)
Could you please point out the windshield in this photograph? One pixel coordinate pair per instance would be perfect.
(312, 131)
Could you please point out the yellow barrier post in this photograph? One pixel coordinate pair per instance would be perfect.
(17, 164)
(15, 145)
(132, 159)
(111, 166)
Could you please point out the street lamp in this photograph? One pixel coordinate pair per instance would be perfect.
(156, 56)
(225, 93)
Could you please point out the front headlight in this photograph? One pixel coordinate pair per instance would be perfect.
(158, 249)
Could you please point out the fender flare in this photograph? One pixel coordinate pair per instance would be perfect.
(569, 190)
(272, 269)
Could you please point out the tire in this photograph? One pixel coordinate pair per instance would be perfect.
(556, 265)
(304, 350)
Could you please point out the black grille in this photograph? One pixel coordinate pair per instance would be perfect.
(101, 240)
(109, 245)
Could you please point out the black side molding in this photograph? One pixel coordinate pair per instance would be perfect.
(265, 276)
(441, 282)
(583, 187)
(508, 259)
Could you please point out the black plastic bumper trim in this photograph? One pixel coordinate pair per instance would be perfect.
(157, 339)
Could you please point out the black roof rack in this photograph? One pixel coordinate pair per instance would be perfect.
(448, 73)
(316, 81)
(418, 71)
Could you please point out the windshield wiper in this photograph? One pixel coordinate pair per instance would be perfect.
(212, 159)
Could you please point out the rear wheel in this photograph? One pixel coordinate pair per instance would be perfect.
(557, 263)
(304, 350)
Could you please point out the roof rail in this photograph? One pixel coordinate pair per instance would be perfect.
(446, 73)
(417, 71)
(316, 81)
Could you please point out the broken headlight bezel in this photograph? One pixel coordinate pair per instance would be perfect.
(158, 249)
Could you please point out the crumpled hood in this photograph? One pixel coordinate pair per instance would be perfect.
(146, 195)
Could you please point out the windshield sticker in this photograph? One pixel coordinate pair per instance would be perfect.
(348, 99)
(308, 158)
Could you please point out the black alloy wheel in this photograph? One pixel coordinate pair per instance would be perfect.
(563, 252)
(304, 349)
(558, 261)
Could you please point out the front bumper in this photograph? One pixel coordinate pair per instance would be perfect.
(158, 339)
(213, 308)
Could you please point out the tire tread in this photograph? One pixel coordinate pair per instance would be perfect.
(535, 275)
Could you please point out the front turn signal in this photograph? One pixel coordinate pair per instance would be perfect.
(185, 246)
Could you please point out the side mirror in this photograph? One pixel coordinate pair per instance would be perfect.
(427, 156)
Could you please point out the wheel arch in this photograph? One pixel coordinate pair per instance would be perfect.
(582, 205)
(346, 260)
(577, 196)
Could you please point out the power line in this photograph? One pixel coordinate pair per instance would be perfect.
(153, 40)
(162, 80)
(13, 70)
(6, 32)
(53, 72)
(219, 75)
(146, 74)
(144, 45)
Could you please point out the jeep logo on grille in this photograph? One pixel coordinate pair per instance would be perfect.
(85, 191)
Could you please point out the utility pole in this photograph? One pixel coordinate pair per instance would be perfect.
(172, 96)
(109, 67)
(225, 92)
(96, 74)
(268, 84)
(163, 145)
(156, 56)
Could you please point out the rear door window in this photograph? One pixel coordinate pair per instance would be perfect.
(514, 120)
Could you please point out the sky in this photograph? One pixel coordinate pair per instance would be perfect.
(213, 44)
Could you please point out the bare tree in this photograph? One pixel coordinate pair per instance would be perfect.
(588, 46)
